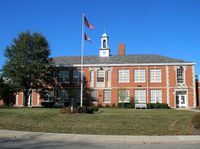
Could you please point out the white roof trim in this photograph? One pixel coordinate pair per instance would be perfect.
(135, 64)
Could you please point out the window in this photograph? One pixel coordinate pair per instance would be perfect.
(76, 75)
(109, 76)
(180, 76)
(123, 76)
(92, 76)
(107, 95)
(63, 76)
(63, 95)
(139, 75)
(155, 75)
(140, 96)
(156, 96)
(104, 43)
(49, 95)
(124, 95)
(93, 95)
(77, 95)
(100, 76)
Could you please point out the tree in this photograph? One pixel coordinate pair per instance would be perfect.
(122, 96)
(4, 91)
(28, 65)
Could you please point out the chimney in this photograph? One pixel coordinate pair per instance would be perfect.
(121, 49)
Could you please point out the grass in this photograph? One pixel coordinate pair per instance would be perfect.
(107, 121)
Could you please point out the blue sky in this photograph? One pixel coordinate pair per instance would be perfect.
(166, 27)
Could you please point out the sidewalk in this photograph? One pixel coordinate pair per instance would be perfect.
(190, 109)
(109, 139)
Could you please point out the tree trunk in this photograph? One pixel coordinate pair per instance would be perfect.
(26, 96)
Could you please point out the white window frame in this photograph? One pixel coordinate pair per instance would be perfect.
(63, 75)
(124, 76)
(109, 75)
(139, 75)
(92, 76)
(107, 96)
(140, 96)
(156, 96)
(76, 75)
(155, 75)
(100, 76)
(63, 95)
(126, 93)
(93, 98)
(180, 75)
(77, 95)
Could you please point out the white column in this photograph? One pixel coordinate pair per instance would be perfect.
(29, 100)
(17, 100)
(38, 99)
(167, 84)
(194, 88)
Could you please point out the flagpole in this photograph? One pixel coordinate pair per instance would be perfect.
(82, 48)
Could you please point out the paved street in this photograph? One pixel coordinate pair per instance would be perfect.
(31, 140)
(6, 143)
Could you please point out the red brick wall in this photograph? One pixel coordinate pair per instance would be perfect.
(115, 85)
(198, 94)
(147, 84)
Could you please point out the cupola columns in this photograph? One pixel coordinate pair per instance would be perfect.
(104, 50)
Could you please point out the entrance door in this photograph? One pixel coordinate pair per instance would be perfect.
(181, 99)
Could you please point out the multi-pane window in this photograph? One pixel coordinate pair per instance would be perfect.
(124, 76)
(140, 96)
(63, 95)
(100, 76)
(156, 96)
(155, 75)
(76, 75)
(49, 95)
(63, 76)
(92, 76)
(74, 97)
(93, 95)
(77, 95)
(139, 75)
(123, 95)
(109, 76)
(107, 96)
(180, 75)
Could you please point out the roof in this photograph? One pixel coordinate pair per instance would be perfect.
(116, 59)
(104, 34)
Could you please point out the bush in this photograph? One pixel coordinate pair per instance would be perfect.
(164, 106)
(90, 109)
(81, 109)
(126, 105)
(157, 106)
(150, 106)
(96, 108)
(196, 121)
(47, 104)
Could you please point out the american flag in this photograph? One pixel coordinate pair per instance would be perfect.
(87, 38)
(89, 25)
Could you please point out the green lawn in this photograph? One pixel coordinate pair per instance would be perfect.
(105, 121)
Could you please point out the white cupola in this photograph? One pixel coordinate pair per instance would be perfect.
(104, 50)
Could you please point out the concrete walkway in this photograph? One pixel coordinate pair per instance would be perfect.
(9, 134)
(190, 109)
